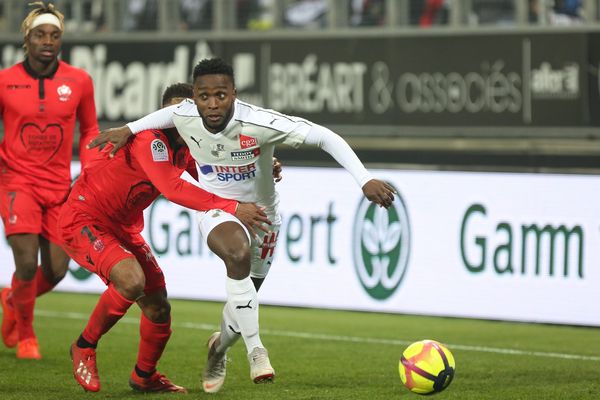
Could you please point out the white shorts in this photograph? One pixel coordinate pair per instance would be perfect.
(260, 257)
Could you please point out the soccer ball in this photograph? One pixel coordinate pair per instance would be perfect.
(426, 367)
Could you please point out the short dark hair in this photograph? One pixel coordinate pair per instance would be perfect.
(213, 66)
(177, 90)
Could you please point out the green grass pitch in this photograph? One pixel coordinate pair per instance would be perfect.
(317, 354)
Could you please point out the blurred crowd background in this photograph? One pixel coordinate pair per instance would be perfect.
(184, 15)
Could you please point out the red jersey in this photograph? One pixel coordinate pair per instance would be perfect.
(117, 190)
(39, 114)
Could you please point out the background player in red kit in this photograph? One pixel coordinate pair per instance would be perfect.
(40, 99)
(99, 226)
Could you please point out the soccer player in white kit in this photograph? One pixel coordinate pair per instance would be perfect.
(233, 143)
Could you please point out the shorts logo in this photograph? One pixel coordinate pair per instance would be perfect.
(64, 92)
(96, 242)
(98, 245)
(245, 154)
(159, 150)
(247, 141)
(268, 245)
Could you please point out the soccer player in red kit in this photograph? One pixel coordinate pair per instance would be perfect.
(40, 100)
(99, 227)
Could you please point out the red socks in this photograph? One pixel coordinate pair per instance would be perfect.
(22, 298)
(42, 284)
(109, 309)
(23, 301)
(153, 339)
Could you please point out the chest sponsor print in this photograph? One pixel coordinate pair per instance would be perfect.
(41, 143)
(226, 173)
(247, 141)
(245, 154)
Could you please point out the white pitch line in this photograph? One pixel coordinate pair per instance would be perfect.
(337, 338)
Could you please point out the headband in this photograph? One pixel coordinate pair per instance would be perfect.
(46, 18)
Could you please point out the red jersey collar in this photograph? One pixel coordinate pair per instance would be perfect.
(35, 75)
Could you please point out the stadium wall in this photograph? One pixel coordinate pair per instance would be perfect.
(526, 79)
(520, 247)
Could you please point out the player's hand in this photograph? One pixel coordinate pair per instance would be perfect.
(277, 170)
(253, 217)
(379, 192)
(118, 137)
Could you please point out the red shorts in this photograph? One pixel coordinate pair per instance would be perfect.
(98, 247)
(30, 209)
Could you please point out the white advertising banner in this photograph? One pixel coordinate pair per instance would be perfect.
(520, 247)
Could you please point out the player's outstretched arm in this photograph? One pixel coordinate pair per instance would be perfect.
(379, 192)
(118, 137)
(253, 217)
(160, 119)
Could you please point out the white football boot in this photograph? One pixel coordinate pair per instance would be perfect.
(261, 370)
(214, 373)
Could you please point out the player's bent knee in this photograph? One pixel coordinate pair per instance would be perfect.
(58, 276)
(236, 256)
(158, 312)
(25, 270)
(128, 278)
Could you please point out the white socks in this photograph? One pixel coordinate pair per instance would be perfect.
(241, 313)
(230, 331)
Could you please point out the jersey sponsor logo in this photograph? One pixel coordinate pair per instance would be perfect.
(64, 92)
(16, 86)
(41, 143)
(159, 150)
(247, 141)
(226, 173)
(245, 154)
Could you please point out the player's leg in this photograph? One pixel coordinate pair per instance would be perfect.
(22, 217)
(230, 242)
(261, 259)
(96, 248)
(228, 238)
(53, 267)
(125, 285)
(30, 215)
(155, 326)
(54, 260)
(22, 293)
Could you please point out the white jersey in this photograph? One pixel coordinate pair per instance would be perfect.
(237, 163)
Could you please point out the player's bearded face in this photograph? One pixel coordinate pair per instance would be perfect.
(214, 96)
(43, 43)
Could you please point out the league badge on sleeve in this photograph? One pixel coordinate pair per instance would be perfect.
(159, 150)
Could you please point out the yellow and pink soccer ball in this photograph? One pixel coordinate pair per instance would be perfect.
(426, 367)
